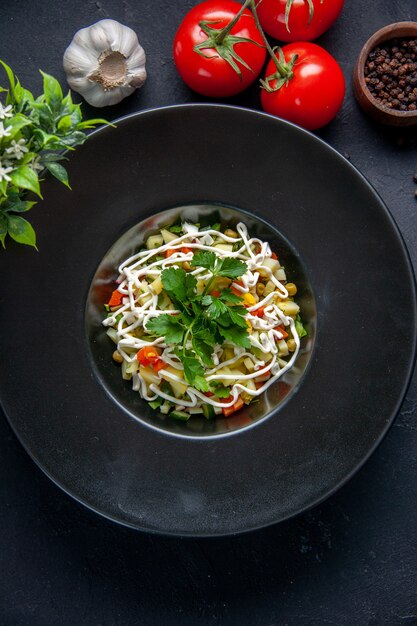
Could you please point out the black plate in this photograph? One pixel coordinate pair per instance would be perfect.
(366, 323)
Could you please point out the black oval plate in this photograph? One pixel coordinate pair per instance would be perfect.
(365, 344)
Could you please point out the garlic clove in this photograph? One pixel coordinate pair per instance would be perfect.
(136, 59)
(105, 63)
(81, 61)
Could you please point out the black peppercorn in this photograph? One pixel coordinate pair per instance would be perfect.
(391, 74)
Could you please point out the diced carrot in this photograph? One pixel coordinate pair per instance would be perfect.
(282, 330)
(185, 250)
(228, 410)
(116, 298)
(208, 394)
(157, 365)
(148, 355)
(169, 252)
(234, 290)
(215, 293)
(274, 256)
(259, 312)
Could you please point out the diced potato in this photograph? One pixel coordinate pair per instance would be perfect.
(178, 387)
(288, 307)
(112, 333)
(272, 264)
(132, 367)
(249, 364)
(280, 274)
(282, 348)
(154, 241)
(220, 283)
(125, 374)
(156, 285)
(249, 384)
(164, 301)
(165, 407)
(269, 288)
(148, 375)
(226, 247)
(144, 298)
(168, 236)
(262, 378)
(228, 353)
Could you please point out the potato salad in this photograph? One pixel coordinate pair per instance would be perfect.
(204, 320)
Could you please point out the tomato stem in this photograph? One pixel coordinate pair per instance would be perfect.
(223, 42)
(220, 36)
(284, 71)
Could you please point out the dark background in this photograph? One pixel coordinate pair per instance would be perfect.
(352, 560)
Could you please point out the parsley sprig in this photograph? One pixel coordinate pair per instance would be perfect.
(204, 320)
(35, 134)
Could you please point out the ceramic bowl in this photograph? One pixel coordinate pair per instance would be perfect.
(363, 95)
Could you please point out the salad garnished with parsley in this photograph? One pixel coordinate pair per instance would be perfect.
(204, 320)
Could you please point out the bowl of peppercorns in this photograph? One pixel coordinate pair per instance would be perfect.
(385, 75)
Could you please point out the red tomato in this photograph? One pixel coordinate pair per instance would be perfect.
(313, 96)
(205, 70)
(307, 19)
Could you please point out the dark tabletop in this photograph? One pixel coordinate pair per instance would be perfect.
(353, 559)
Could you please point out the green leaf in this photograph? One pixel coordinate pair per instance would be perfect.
(59, 172)
(232, 268)
(194, 373)
(299, 327)
(3, 228)
(167, 326)
(18, 93)
(16, 123)
(3, 188)
(216, 307)
(26, 178)
(77, 138)
(20, 206)
(202, 347)
(10, 76)
(175, 229)
(65, 124)
(43, 113)
(67, 105)
(229, 296)
(219, 390)
(179, 285)
(45, 140)
(93, 123)
(47, 157)
(53, 92)
(237, 315)
(236, 335)
(20, 230)
(205, 259)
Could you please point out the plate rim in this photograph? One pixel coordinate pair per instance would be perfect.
(401, 396)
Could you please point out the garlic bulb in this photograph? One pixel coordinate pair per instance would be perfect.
(105, 63)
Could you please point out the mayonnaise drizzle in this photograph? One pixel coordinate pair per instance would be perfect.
(140, 304)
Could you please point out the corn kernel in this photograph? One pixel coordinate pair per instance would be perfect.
(117, 357)
(291, 288)
(249, 299)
